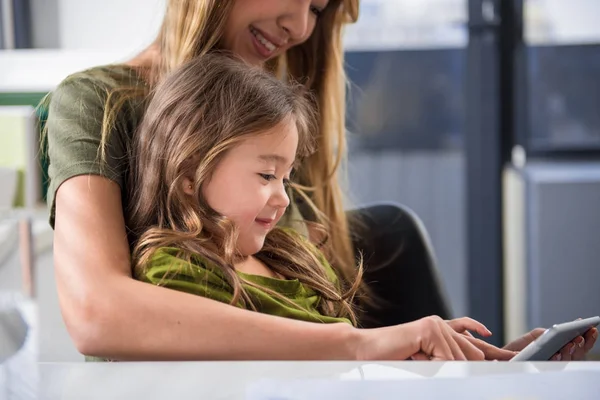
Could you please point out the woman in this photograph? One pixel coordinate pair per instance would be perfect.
(91, 118)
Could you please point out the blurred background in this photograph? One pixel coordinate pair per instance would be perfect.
(482, 116)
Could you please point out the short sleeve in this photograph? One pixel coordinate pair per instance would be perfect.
(74, 135)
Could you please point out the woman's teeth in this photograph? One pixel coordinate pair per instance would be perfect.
(270, 46)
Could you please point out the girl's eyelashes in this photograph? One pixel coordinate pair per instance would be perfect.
(268, 177)
(272, 177)
(316, 10)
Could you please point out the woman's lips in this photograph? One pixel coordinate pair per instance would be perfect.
(266, 47)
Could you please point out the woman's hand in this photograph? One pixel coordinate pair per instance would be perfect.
(491, 352)
(429, 338)
(573, 351)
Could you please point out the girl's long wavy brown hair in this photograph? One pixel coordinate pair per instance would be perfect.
(192, 28)
(195, 115)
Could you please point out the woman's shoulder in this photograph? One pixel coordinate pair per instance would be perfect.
(94, 85)
(108, 76)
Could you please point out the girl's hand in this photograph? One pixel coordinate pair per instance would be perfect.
(429, 338)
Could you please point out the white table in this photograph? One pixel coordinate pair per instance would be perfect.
(241, 380)
(18, 373)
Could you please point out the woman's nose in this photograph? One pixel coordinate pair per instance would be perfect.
(296, 20)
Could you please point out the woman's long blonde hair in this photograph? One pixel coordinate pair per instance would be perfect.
(192, 28)
(195, 115)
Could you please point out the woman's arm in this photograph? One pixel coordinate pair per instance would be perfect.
(109, 314)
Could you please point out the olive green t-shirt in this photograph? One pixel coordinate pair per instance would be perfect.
(76, 110)
(203, 278)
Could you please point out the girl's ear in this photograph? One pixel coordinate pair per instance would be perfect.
(188, 186)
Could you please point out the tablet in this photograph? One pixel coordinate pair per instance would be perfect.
(553, 339)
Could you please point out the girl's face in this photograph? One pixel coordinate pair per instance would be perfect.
(248, 185)
(258, 30)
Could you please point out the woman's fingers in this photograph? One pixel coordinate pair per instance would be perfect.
(578, 349)
(444, 340)
(522, 342)
(574, 350)
(451, 337)
(492, 352)
(567, 351)
(445, 347)
(471, 352)
(461, 325)
(590, 339)
(434, 342)
(421, 357)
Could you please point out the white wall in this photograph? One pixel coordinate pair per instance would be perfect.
(115, 25)
(72, 35)
(42, 70)
(562, 21)
(88, 24)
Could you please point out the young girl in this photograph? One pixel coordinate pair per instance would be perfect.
(211, 168)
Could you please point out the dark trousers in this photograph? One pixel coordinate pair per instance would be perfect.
(399, 266)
